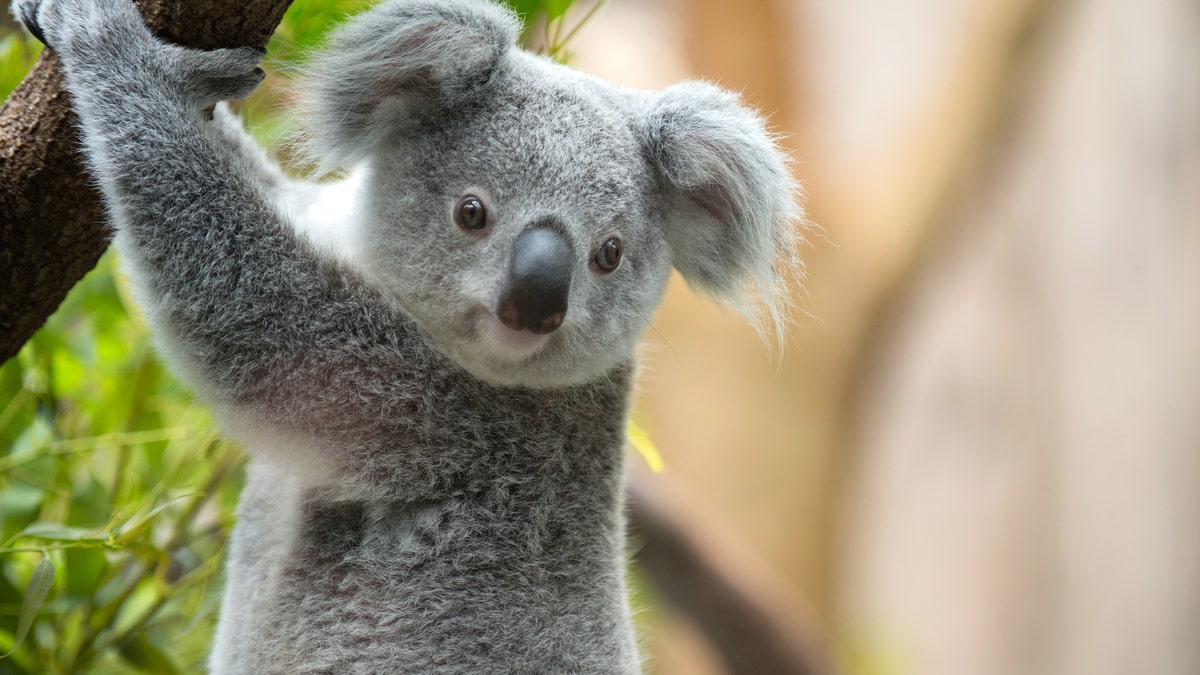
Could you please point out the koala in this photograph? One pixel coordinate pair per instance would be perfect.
(430, 361)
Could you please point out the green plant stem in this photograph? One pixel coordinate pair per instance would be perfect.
(222, 473)
(91, 629)
(582, 22)
(93, 635)
(135, 410)
(74, 445)
(13, 407)
(182, 583)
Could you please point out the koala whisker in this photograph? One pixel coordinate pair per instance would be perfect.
(647, 323)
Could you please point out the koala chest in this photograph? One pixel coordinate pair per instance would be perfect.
(475, 583)
(467, 531)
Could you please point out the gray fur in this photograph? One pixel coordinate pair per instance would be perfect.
(423, 495)
(728, 190)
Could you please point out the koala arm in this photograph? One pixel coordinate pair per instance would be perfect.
(268, 175)
(253, 315)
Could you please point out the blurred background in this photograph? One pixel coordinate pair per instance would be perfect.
(978, 451)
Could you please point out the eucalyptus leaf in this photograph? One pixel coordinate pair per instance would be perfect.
(83, 569)
(35, 594)
(47, 531)
(556, 9)
(133, 529)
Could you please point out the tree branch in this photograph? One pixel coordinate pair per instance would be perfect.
(752, 634)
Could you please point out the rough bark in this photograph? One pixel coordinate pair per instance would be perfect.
(52, 228)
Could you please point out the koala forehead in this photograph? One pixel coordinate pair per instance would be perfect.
(541, 136)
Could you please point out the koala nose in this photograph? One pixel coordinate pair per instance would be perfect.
(535, 294)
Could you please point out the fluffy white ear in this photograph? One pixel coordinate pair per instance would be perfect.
(732, 203)
(398, 61)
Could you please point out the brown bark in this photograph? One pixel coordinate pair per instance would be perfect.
(51, 222)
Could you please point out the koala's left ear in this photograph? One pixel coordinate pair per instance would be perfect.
(731, 201)
(397, 62)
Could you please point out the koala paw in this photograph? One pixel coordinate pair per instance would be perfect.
(25, 11)
(109, 39)
(219, 74)
(34, 13)
(70, 25)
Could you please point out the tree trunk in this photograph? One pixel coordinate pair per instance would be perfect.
(1028, 476)
(52, 227)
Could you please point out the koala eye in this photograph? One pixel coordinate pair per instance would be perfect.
(609, 255)
(470, 213)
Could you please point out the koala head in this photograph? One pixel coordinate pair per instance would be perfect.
(527, 216)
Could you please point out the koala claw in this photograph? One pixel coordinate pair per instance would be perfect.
(28, 16)
(70, 26)
(222, 74)
(241, 87)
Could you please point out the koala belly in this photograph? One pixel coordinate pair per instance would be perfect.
(317, 585)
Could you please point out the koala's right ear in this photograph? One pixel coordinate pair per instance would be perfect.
(394, 63)
(732, 210)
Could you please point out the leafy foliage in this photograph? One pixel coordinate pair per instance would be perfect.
(116, 495)
(17, 54)
(115, 498)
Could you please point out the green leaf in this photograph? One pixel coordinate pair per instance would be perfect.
(17, 53)
(83, 569)
(19, 505)
(556, 8)
(35, 594)
(132, 530)
(641, 442)
(523, 8)
(67, 375)
(89, 505)
(57, 532)
(145, 655)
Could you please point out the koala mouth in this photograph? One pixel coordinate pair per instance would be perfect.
(512, 342)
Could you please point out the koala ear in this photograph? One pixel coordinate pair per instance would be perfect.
(731, 202)
(394, 63)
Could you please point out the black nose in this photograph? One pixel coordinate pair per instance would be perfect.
(535, 294)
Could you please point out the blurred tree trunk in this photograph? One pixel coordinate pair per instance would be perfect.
(1028, 457)
(51, 222)
(781, 418)
(735, 601)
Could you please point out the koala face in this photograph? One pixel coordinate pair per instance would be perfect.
(527, 216)
(522, 231)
